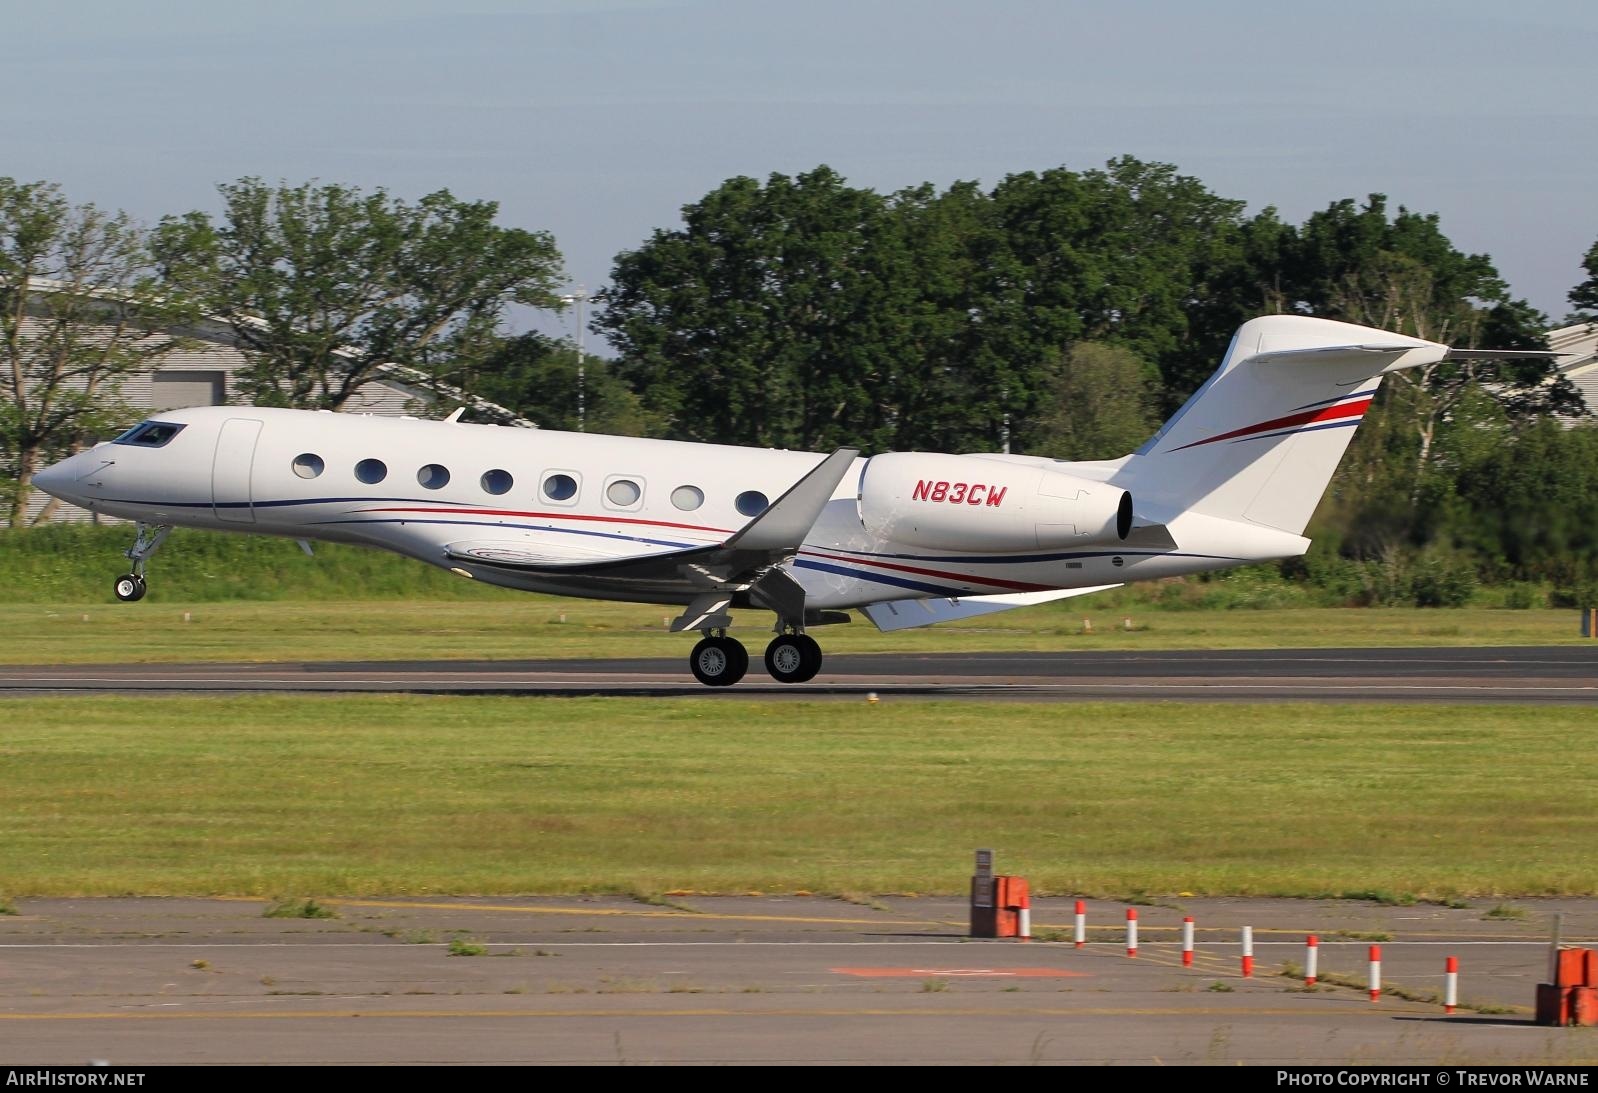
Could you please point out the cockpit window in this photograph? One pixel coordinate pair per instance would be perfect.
(150, 434)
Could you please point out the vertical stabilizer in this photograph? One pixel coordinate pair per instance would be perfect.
(1260, 440)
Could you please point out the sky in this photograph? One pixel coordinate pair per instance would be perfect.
(597, 121)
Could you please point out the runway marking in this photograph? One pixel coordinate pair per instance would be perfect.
(619, 912)
(590, 1014)
(1095, 947)
(962, 973)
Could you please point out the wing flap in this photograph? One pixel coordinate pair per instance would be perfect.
(906, 614)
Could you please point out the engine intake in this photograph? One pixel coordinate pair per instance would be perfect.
(964, 502)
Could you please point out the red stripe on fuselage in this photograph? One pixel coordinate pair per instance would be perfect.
(1017, 586)
(559, 516)
(1308, 417)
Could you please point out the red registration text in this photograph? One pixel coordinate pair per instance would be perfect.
(960, 493)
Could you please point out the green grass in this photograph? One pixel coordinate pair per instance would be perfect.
(349, 795)
(298, 908)
(527, 626)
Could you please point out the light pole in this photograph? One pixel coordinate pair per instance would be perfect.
(580, 297)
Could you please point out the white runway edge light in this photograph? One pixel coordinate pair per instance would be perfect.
(1248, 952)
(1187, 942)
(1376, 972)
(1312, 952)
(1081, 923)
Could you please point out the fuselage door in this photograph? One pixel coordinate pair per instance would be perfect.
(230, 471)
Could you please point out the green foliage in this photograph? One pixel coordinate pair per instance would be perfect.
(81, 311)
(298, 908)
(1585, 295)
(808, 313)
(1506, 912)
(461, 946)
(323, 283)
(74, 563)
(538, 378)
(1100, 404)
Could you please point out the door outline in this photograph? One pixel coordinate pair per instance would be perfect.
(232, 468)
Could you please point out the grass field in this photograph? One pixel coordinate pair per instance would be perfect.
(532, 627)
(327, 796)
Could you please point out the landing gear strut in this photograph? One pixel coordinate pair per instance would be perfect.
(131, 586)
(719, 661)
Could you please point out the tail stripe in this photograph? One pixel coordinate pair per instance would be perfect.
(1279, 426)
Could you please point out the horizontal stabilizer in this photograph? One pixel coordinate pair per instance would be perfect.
(907, 614)
(1501, 354)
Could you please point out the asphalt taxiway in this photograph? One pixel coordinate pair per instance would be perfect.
(1546, 675)
(770, 980)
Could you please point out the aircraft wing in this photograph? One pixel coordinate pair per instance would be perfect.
(742, 561)
(907, 614)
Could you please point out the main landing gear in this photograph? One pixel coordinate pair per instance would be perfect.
(131, 586)
(720, 661)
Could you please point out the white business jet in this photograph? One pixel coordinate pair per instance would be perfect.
(908, 538)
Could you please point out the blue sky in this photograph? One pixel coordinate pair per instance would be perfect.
(597, 121)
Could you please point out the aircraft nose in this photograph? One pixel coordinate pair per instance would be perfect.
(58, 479)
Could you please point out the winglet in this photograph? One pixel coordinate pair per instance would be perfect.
(784, 525)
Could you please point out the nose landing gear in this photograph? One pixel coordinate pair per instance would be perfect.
(131, 586)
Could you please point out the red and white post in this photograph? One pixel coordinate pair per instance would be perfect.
(1450, 984)
(1024, 917)
(1187, 941)
(1248, 952)
(1376, 972)
(1131, 931)
(1081, 923)
(1312, 954)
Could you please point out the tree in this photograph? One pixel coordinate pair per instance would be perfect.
(323, 283)
(537, 377)
(1585, 295)
(80, 312)
(1101, 405)
(1400, 273)
(776, 316)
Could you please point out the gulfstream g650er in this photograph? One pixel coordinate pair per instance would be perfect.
(909, 538)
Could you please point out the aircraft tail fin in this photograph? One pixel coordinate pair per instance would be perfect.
(1259, 441)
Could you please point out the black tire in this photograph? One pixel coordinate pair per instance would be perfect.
(740, 656)
(793, 658)
(129, 587)
(812, 656)
(718, 662)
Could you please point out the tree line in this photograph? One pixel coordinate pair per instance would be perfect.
(1058, 312)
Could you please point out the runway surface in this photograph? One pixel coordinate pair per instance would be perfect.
(1547, 675)
(797, 980)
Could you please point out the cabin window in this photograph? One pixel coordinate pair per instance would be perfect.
(434, 476)
(751, 503)
(371, 471)
(497, 482)
(308, 465)
(624, 493)
(559, 487)
(150, 434)
(688, 498)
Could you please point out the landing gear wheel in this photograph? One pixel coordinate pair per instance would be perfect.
(130, 587)
(719, 661)
(793, 658)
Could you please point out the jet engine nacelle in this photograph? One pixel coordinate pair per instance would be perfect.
(965, 502)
